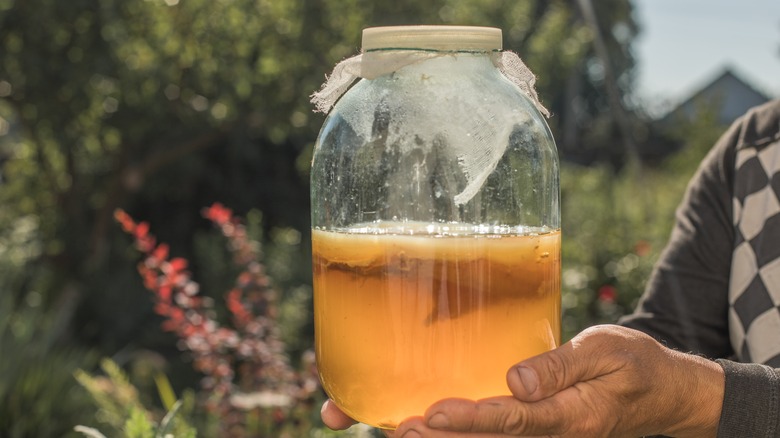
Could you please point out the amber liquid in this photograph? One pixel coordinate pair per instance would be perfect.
(402, 321)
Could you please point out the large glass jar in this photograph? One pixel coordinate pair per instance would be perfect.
(435, 226)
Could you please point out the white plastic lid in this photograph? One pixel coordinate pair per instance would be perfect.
(432, 38)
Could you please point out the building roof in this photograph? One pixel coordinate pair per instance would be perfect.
(730, 94)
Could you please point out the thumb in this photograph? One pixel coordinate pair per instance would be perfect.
(551, 372)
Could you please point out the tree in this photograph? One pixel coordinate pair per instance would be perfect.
(161, 107)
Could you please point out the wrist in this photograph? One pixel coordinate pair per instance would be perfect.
(700, 398)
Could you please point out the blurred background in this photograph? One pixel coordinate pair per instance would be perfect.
(162, 108)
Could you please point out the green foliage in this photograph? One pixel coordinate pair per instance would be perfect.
(37, 353)
(138, 425)
(615, 225)
(162, 107)
(121, 411)
(35, 371)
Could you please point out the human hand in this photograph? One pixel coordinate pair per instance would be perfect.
(334, 418)
(608, 381)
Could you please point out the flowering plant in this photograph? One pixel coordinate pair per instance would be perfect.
(245, 365)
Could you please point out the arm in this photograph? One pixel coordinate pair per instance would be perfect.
(685, 304)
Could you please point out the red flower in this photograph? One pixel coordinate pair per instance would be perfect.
(642, 248)
(236, 307)
(175, 266)
(161, 252)
(244, 279)
(162, 308)
(141, 230)
(149, 277)
(124, 219)
(218, 214)
(607, 293)
(175, 319)
(164, 292)
(250, 351)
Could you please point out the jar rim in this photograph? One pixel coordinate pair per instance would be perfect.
(432, 37)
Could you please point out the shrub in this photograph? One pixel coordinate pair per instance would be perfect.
(249, 386)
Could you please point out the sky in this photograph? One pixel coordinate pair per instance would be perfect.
(685, 44)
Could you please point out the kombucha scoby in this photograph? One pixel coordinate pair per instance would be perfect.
(406, 318)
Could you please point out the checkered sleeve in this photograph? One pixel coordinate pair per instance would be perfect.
(754, 292)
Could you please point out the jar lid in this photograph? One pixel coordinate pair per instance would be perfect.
(453, 38)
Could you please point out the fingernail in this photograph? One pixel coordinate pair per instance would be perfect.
(529, 379)
(438, 421)
(411, 433)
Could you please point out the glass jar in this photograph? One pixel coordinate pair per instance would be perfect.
(435, 226)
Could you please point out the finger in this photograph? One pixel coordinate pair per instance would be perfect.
(579, 360)
(416, 428)
(501, 416)
(334, 418)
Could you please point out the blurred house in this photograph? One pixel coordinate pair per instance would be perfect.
(728, 94)
(726, 97)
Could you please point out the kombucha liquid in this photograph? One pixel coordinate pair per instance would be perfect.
(404, 320)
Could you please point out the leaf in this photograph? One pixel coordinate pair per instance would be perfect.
(138, 425)
(124, 391)
(167, 395)
(167, 421)
(124, 220)
(89, 431)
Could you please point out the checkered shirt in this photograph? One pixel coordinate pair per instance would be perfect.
(754, 288)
